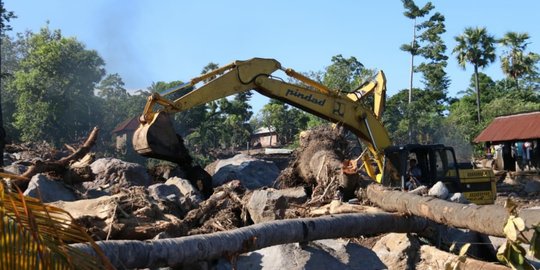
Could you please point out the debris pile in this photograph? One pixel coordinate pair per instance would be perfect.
(118, 200)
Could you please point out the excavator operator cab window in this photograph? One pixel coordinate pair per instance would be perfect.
(421, 163)
(441, 163)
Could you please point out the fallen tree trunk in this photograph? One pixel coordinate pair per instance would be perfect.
(58, 166)
(189, 249)
(487, 219)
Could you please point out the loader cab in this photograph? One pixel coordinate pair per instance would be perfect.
(436, 162)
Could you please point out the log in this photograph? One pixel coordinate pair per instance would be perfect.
(176, 251)
(487, 219)
(59, 167)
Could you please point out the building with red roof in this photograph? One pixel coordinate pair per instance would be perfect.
(515, 138)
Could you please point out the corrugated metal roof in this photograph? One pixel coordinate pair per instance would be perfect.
(127, 125)
(512, 127)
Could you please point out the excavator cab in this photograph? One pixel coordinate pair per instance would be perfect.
(438, 163)
(434, 162)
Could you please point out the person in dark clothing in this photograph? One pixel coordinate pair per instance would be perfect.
(414, 174)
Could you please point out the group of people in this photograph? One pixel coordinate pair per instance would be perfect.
(525, 153)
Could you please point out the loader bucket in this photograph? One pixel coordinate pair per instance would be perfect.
(157, 139)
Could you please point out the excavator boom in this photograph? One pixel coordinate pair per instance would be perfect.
(155, 136)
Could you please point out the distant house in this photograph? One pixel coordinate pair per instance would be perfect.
(123, 133)
(264, 137)
(509, 134)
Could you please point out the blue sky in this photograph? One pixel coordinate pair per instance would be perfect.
(149, 41)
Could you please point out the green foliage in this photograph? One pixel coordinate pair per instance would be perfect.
(186, 121)
(412, 11)
(512, 253)
(5, 18)
(285, 120)
(54, 86)
(314, 121)
(117, 106)
(414, 117)
(515, 63)
(10, 58)
(343, 74)
(423, 116)
(111, 90)
(211, 128)
(499, 98)
(455, 265)
(477, 47)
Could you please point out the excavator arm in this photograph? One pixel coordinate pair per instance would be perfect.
(155, 136)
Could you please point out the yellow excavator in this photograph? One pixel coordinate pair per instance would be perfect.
(382, 162)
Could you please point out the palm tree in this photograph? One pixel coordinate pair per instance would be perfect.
(37, 236)
(515, 63)
(475, 46)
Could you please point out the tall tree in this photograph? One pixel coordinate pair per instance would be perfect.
(420, 116)
(413, 12)
(515, 62)
(477, 47)
(115, 102)
(11, 54)
(433, 50)
(5, 17)
(55, 85)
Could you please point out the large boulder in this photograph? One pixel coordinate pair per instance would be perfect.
(397, 250)
(176, 193)
(271, 204)
(162, 192)
(48, 190)
(112, 175)
(186, 189)
(253, 173)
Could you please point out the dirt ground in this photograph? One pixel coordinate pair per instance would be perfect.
(513, 186)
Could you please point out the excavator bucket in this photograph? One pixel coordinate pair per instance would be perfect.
(157, 139)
